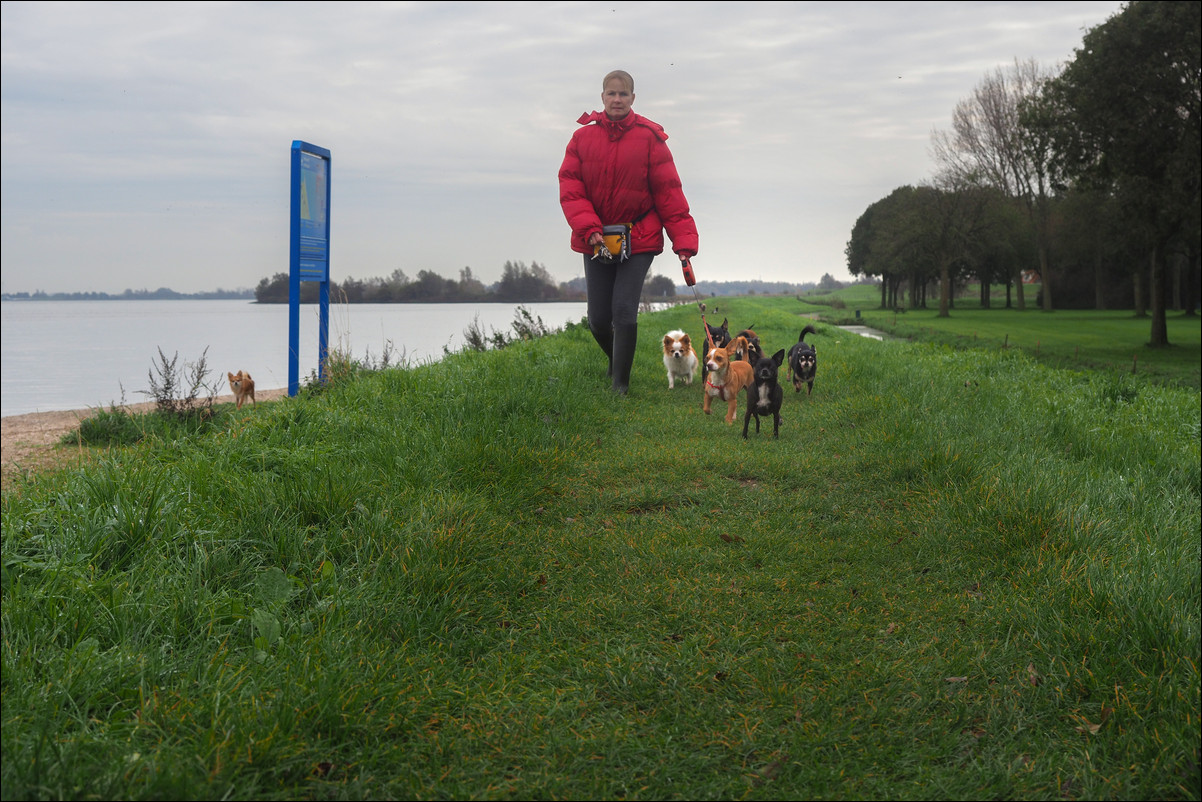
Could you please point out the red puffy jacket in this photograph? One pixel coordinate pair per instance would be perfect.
(620, 171)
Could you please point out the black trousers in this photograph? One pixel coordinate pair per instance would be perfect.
(614, 290)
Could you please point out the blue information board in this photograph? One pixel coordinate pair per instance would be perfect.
(309, 251)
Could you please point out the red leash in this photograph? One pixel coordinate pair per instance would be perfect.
(691, 281)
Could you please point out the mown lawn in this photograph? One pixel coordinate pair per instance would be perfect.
(1108, 340)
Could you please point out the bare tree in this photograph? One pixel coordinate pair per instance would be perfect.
(989, 146)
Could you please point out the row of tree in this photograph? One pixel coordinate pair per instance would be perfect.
(161, 294)
(520, 283)
(1089, 177)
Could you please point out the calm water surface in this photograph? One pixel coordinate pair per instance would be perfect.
(57, 355)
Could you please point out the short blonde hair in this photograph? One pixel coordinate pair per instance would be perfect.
(622, 76)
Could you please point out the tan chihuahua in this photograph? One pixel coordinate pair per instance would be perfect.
(243, 386)
(727, 376)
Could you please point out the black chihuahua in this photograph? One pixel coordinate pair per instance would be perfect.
(803, 362)
(765, 395)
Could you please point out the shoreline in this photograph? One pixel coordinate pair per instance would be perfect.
(28, 441)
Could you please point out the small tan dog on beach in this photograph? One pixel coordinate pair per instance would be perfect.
(243, 386)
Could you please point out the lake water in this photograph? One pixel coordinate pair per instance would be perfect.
(57, 355)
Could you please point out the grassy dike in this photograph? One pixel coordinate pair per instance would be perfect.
(957, 574)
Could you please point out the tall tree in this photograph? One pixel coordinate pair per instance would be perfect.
(885, 242)
(947, 220)
(1128, 109)
(989, 145)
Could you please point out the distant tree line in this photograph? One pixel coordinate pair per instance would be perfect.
(161, 294)
(746, 287)
(1086, 182)
(520, 283)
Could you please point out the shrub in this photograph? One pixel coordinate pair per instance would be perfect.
(176, 390)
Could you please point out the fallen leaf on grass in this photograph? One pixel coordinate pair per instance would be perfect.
(770, 771)
(1032, 674)
(955, 679)
(1089, 728)
(731, 538)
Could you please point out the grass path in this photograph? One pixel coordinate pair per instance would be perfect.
(955, 575)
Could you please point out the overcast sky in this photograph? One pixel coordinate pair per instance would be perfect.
(147, 144)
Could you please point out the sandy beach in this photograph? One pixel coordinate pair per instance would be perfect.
(31, 443)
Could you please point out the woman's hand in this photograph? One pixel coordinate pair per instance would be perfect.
(596, 239)
(686, 266)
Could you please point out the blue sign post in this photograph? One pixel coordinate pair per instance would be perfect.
(310, 251)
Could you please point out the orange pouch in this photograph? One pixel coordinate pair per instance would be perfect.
(615, 246)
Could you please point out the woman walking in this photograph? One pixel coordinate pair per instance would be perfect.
(619, 191)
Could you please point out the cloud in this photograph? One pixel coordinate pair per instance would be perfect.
(147, 145)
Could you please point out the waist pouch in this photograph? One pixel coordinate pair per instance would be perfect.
(615, 244)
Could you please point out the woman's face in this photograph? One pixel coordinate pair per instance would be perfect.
(617, 99)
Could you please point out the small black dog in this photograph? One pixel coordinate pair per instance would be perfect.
(803, 362)
(719, 334)
(765, 395)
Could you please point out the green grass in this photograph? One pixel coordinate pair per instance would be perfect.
(1112, 341)
(957, 574)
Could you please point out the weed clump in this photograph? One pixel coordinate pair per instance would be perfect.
(526, 326)
(177, 390)
(112, 426)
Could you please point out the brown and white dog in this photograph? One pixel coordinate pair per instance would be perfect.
(714, 336)
(680, 360)
(727, 377)
(243, 386)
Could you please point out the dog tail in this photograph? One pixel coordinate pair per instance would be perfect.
(807, 330)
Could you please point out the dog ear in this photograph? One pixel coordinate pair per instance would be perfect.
(779, 356)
